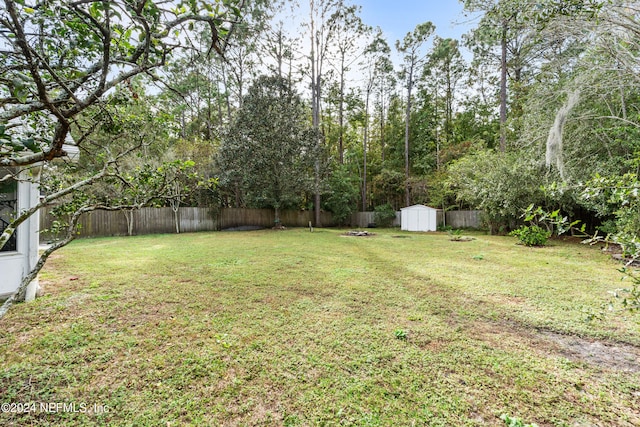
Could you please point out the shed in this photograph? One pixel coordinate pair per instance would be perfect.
(418, 218)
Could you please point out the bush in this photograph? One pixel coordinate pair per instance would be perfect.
(343, 194)
(617, 196)
(532, 235)
(500, 184)
(385, 215)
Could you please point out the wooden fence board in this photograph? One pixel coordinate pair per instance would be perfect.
(364, 219)
(464, 219)
(162, 220)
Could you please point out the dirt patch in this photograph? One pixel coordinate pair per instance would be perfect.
(615, 356)
(601, 353)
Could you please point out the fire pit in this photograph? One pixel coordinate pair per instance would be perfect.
(358, 233)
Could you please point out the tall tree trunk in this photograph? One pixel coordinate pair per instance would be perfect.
(365, 143)
(407, 194)
(382, 144)
(277, 216)
(183, 126)
(437, 133)
(503, 90)
(315, 112)
(209, 104)
(341, 112)
(449, 106)
(226, 94)
(219, 102)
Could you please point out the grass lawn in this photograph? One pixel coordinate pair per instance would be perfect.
(298, 328)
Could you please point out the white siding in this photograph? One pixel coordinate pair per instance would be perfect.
(15, 265)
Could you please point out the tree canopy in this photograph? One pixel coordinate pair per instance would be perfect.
(59, 58)
(270, 147)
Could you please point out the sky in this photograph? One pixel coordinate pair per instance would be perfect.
(398, 17)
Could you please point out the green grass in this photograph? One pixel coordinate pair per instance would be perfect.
(296, 328)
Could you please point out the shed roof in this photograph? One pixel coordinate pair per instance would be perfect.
(418, 207)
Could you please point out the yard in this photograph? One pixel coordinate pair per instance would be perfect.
(299, 328)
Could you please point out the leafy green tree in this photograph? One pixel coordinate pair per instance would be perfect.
(475, 126)
(616, 197)
(502, 185)
(388, 188)
(270, 148)
(200, 179)
(342, 197)
(504, 37)
(62, 58)
(394, 132)
(582, 99)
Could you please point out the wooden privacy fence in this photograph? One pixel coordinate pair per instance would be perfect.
(139, 221)
(364, 219)
(237, 217)
(162, 220)
(464, 219)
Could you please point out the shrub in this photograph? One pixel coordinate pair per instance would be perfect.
(455, 234)
(617, 197)
(500, 184)
(532, 235)
(385, 215)
(343, 196)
